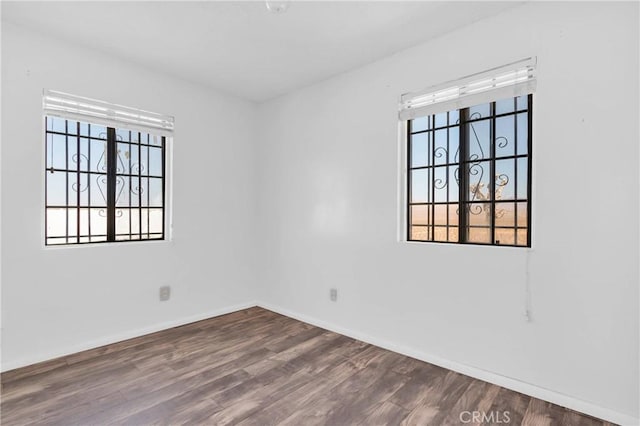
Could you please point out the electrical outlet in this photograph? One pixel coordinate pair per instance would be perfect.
(165, 293)
(333, 294)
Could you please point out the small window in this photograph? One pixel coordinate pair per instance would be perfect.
(469, 174)
(468, 153)
(104, 181)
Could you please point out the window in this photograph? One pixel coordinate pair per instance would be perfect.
(468, 170)
(103, 183)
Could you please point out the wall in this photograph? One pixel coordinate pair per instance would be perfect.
(328, 185)
(62, 300)
(326, 212)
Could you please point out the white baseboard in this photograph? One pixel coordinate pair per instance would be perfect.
(23, 362)
(487, 376)
(496, 379)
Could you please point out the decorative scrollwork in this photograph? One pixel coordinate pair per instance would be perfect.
(501, 181)
(119, 183)
(476, 169)
(101, 165)
(137, 168)
(475, 157)
(476, 209)
(101, 181)
(75, 158)
(78, 159)
(103, 213)
(440, 152)
(503, 142)
(137, 190)
(479, 193)
(78, 188)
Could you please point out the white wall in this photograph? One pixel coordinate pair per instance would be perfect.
(57, 301)
(328, 172)
(326, 161)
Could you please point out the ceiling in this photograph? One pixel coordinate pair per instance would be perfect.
(240, 47)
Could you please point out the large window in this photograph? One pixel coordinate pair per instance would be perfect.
(469, 174)
(103, 184)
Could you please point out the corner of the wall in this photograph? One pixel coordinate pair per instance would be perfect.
(487, 376)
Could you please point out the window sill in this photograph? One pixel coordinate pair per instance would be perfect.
(111, 244)
(448, 244)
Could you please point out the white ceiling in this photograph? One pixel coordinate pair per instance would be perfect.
(240, 47)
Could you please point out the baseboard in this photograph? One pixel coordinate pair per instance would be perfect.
(496, 379)
(23, 362)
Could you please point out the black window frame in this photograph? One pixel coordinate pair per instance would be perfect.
(464, 164)
(111, 175)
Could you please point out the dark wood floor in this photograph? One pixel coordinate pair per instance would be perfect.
(255, 367)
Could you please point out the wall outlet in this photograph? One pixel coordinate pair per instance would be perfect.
(165, 293)
(333, 294)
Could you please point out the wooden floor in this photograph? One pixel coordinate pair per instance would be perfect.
(255, 367)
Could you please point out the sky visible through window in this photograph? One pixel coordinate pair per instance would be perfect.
(76, 183)
(498, 142)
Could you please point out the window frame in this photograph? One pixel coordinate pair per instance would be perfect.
(463, 201)
(167, 154)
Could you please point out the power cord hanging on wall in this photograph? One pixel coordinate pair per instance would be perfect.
(527, 288)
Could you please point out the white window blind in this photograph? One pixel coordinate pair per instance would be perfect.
(79, 108)
(511, 80)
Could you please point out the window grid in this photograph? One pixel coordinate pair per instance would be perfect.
(488, 218)
(92, 174)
